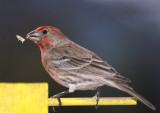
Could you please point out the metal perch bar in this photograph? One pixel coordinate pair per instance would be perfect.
(92, 101)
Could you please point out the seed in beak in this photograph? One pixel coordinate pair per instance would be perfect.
(20, 38)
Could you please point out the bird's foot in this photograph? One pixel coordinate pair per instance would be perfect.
(97, 95)
(97, 100)
(59, 100)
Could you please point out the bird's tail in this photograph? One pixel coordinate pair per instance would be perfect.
(126, 88)
(139, 97)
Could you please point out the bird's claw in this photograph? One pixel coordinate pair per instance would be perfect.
(97, 100)
(53, 109)
(59, 100)
(97, 95)
(58, 97)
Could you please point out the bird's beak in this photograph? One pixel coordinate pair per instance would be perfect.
(33, 36)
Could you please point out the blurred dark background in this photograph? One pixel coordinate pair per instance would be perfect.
(126, 33)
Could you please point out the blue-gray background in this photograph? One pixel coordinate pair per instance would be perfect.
(126, 33)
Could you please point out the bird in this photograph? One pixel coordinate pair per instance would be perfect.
(76, 67)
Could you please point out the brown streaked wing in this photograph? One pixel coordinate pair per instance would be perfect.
(79, 62)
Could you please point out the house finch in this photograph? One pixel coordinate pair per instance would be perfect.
(75, 67)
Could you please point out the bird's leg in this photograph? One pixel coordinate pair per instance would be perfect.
(97, 95)
(58, 97)
(72, 88)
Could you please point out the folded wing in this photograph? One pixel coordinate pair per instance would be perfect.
(79, 61)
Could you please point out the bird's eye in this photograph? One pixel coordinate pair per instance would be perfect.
(45, 31)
